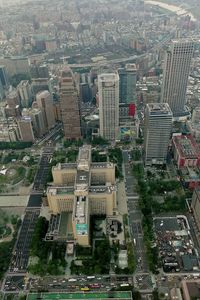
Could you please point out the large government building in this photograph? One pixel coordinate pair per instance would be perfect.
(83, 188)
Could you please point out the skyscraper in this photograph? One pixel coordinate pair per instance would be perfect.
(69, 105)
(127, 84)
(45, 103)
(26, 129)
(157, 131)
(108, 85)
(176, 71)
(25, 93)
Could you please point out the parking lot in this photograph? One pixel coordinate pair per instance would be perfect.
(176, 248)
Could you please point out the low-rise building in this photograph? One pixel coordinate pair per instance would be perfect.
(190, 289)
(186, 151)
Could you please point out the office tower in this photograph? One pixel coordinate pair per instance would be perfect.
(40, 84)
(80, 190)
(15, 65)
(69, 105)
(108, 85)
(25, 93)
(84, 91)
(45, 103)
(157, 132)
(3, 76)
(175, 75)
(12, 98)
(12, 108)
(127, 84)
(25, 129)
(38, 122)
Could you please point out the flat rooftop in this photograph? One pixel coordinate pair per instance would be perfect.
(80, 212)
(108, 77)
(102, 189)
(84, 152)
(59, 190)
(186, 146)
(166, 224)
(82, 177)
(102, 165)
(63, 296)
(159, 109)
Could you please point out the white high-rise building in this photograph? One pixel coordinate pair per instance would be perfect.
(108, 85)
(157, 132)
(175, 75)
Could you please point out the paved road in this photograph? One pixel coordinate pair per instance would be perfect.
(19, 260)
(135, 215)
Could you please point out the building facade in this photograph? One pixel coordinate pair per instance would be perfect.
(83, 189)
(195, 205)
(108, 85)
(157, 132)
(25, 93)
(45, 103)
(175, 76)
(26, 129)
(186, 151)
(69, 106)
(127, 84)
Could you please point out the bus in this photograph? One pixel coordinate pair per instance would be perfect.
(72, 280)
(90, 277)
(85, 289)
(124, 284)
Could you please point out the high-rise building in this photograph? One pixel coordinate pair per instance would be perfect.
(84, 92)
(69, 105)
(25, 129)
(157, 132)
(38, 122)
(82, 189)
(25, 93)
(3, 76)
(175, 76)
(45, 103)
(127, 84)
(108, 85)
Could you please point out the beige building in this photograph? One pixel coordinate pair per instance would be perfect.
(45, 103)
(83, 188)
(26, 129)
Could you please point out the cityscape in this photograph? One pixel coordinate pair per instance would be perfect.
(99, 149)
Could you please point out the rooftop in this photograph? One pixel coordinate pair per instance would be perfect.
(108, 77)
(186, 146)
(80, 212)
(58, 190)
(159, 108)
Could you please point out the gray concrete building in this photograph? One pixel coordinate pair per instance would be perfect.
(175, 75)
(157, 132)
